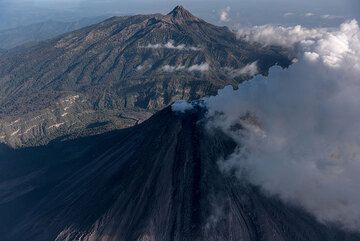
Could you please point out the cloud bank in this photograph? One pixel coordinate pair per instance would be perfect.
(279, 35)
(300, 128)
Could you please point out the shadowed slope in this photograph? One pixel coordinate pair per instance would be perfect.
(156, 181)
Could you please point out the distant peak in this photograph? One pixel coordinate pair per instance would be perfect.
(181, 13)
(179, 8)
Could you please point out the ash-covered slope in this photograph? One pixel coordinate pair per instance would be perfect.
(156, 181)
(119, 72)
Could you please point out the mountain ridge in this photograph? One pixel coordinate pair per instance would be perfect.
(124, 66)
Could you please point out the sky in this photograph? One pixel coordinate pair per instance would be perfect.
(244, 12)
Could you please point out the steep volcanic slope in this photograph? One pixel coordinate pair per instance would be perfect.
(156, 181)
(119, 72)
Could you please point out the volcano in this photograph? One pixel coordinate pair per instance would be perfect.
(158, 180)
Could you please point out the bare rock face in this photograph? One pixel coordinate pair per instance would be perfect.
(123, 70)
(155, 181)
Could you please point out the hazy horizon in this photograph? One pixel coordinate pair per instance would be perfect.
(290, 12)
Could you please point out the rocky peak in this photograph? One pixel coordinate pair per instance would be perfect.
(181, 14)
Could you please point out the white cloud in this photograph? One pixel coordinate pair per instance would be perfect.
(279, 35)
(311, 56)
(171, 45)
(316, 16)
(181, 106)
(170, 68)
(288, 14)
(152, 46)
(331, 17)
(301, 135)
(309, 14)
(204, 67)
(140, 67)
(224, 14)
(248, 70)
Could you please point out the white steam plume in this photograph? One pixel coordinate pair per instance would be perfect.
(181, 106)
(300, 135)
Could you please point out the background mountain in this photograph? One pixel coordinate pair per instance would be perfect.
(156, 181)
(36, 32)
(119, 72)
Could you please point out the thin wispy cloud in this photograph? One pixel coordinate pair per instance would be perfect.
(288, 14)
(248, 70)
(173, 68)
(203, 67)
(331, 17)
(224, 14)
(314, 16)
(171, 45)
(140, 67)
